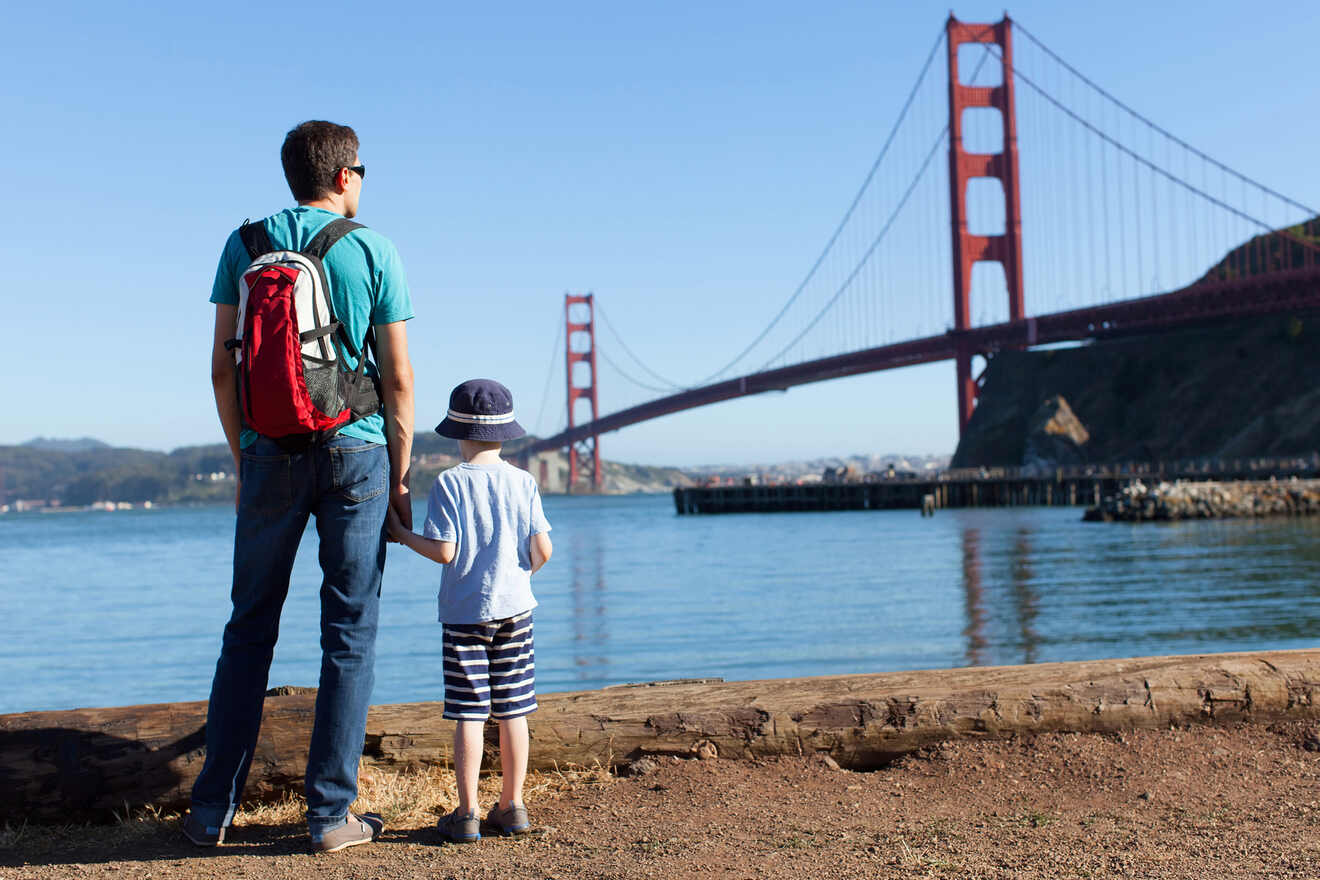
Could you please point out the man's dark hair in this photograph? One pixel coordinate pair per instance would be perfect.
(312, 155)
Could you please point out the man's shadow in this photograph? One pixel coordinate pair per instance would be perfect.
(64, 774)
(102, 844)
(68, 795)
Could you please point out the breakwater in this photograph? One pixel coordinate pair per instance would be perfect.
(1180, 500)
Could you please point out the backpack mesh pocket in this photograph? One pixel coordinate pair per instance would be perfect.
(323, 388)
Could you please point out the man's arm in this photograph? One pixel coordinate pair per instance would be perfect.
(540, 550)
(396, 390)
(225, 384)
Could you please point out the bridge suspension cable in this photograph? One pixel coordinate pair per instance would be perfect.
(1168, 175)
(841, 278)
(1121, 208)
(600, 352)
(1153, 125)
(670, 384)
(847, 282)
(829, 245)
(549, 373)
(880, 236)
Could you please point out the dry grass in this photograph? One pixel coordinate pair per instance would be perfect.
(410, 798)
(414, 798)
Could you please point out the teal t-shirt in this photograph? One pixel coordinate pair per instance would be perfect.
(367, 286)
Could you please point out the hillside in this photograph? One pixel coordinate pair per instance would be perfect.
(78, 473)
(1238, 389)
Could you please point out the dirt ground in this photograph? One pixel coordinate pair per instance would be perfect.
(1200, 802)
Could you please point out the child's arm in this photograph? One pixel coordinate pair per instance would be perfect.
(541, 548)
(437, 551)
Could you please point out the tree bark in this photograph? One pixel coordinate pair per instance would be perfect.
(84, 762)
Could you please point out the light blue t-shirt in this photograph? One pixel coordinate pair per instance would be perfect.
(367, 286)
(489, 512)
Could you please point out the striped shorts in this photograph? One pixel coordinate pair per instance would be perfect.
(489, 669)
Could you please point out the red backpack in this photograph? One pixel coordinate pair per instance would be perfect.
(292, 382)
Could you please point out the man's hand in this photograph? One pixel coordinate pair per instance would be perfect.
(400, 509)
(395, 526)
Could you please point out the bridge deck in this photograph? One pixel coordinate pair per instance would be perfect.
(1293, 290)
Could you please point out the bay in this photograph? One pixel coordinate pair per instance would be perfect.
(118, 608)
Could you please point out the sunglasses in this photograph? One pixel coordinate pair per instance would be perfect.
(360, 169)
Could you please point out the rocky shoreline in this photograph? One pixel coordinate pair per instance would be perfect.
(1138, 502)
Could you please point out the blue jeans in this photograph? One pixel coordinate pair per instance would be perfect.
(344, 484)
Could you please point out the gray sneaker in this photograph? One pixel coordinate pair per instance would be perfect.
(200, 834)
(458, 828)
(358, 829)
(509, 820)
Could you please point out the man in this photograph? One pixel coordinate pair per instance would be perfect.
(346, 482)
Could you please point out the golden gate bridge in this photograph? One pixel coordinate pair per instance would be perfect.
(1127, 229)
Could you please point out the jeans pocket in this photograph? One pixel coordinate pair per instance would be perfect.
(267, 483)
(359, 471)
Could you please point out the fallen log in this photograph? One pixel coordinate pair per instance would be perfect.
(87, 762)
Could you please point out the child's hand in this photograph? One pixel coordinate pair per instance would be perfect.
(395, 525)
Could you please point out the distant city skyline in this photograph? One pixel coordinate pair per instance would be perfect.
(685, 164)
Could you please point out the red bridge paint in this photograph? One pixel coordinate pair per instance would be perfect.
(583, 452)
(969, 249)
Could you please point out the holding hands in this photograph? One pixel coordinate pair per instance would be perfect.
(394, 526)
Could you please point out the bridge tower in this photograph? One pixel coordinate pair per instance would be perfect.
(969, 249)
(580, 349)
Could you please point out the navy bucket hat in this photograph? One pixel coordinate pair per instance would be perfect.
(480, 409)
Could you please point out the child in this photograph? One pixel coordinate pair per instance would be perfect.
(485, 525)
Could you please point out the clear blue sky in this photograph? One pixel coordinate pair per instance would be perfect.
(684, 161)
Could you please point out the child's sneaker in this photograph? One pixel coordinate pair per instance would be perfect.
(510, 820)
(458, 828)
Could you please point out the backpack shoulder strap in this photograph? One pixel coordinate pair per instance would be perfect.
(255, 238)
(329, 234)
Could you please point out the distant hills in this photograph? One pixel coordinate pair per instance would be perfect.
(76, 473)
(84, 471)
(81, 444)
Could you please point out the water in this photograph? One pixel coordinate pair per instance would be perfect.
(101, 609)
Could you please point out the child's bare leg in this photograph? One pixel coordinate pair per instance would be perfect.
(467, 762)
(513, 759)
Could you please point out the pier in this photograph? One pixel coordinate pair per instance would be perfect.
(1079, 485)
